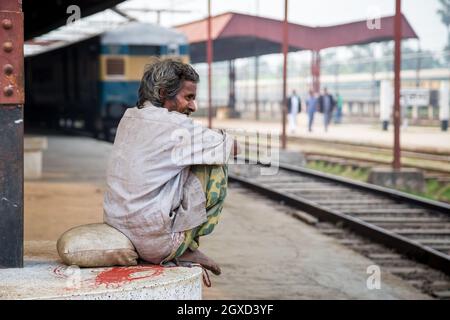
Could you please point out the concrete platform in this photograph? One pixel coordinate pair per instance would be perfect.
(45, 277)
(405, 178)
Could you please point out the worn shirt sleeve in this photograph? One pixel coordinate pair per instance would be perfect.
(195, 145)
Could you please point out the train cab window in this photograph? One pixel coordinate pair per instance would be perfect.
(115, 67)
(145, 50)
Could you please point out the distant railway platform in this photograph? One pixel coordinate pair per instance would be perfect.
(422, 139)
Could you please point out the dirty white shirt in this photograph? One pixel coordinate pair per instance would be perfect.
(151, 194)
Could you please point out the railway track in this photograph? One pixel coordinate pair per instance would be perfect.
(417, 230)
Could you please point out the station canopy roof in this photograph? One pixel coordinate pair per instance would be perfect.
(237, 35)
(44, 16)
(138, 33)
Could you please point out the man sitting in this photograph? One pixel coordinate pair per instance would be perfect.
(167, 176)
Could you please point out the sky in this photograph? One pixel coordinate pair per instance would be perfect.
(420, 13)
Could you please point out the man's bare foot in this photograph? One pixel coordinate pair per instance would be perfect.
(198, 257)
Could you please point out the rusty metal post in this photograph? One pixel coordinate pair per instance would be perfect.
(397, 66)
(256, 88)
(11, 134)
(285, 50)
(315, 70)
(231, 88)
(209, 54)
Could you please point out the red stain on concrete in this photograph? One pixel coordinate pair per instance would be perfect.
(59, 271)
(120, 275)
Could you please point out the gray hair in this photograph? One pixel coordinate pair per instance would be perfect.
(167, 74)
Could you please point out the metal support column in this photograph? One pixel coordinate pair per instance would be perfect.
(209, 54)
(232, 87)
(11, 134)
(285, 51)
(315, 71)
(256, 88)
(397, 66)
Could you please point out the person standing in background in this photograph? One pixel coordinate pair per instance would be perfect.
(338, 113)
(294, 107)
(311, 107)
(326, 104)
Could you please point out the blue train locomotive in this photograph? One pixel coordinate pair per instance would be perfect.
(88, 85)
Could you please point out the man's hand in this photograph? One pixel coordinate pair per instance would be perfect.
(236, 148)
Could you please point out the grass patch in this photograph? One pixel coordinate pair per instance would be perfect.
(340, 170)
(434, 190)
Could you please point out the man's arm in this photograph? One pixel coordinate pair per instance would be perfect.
(236, 149)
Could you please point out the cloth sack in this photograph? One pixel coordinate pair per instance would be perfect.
(96, 245)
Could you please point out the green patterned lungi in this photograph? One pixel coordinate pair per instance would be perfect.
(214, 179)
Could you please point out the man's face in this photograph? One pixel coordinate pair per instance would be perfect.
(184, 101)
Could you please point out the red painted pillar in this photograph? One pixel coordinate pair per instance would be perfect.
(315, 70)
(285, 51)
(11, 134)
(397, 66)
(231, 87)
(256, 88)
